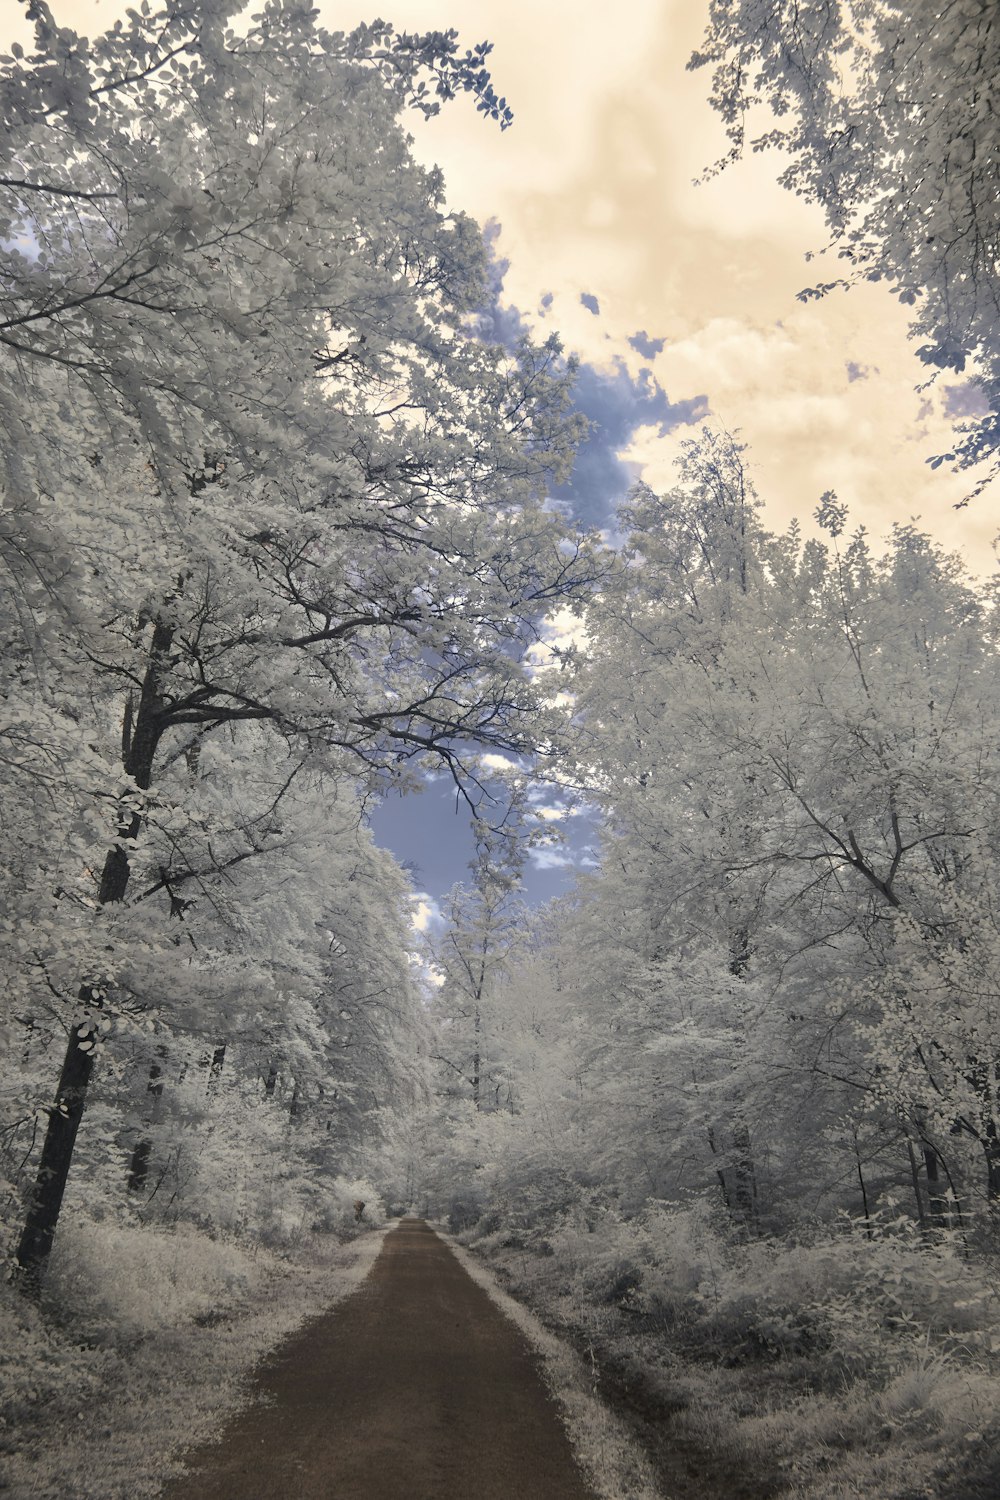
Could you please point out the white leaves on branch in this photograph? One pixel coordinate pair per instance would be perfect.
(887, 116)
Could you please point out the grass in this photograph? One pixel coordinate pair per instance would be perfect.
(143, 1345)
(827, 1371)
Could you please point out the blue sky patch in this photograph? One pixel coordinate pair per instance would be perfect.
(646, 345)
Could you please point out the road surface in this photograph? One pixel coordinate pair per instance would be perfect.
(416, 1387)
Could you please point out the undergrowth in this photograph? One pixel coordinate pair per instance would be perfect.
(856, 1361)
(144, 1341)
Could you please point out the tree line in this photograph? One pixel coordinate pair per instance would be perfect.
(780, 987)
(273, 537)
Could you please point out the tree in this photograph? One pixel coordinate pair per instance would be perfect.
(888, 115)
(788, 741)
(298, 1019)
(264, 478)
(470, 957)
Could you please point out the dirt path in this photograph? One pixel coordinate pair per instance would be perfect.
(414, 1388)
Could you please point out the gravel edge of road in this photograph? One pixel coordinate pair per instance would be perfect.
(615, 1465)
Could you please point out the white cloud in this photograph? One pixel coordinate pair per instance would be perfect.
(493, 762)
(426, 912)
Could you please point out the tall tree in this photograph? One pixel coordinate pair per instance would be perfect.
(470, 956)
(263, 474)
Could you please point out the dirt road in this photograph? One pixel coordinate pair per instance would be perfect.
(414, 1388)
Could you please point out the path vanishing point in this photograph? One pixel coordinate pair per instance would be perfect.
(415, 1387)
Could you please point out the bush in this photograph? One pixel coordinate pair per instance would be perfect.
(111, 1282)
(337, 1212)
(42, 1369)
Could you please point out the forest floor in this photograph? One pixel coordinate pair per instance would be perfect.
(720, 1425)
(416, 1385)
(408, 1371)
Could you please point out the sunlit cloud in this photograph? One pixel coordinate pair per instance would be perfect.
(426, 912)
(493, 762)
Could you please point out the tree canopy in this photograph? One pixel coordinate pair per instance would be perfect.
(273, 512)
(886, 116)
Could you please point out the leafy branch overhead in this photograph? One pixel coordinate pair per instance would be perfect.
(887, 118)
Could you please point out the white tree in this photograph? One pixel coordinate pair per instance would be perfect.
(262, 475)
(792, 745)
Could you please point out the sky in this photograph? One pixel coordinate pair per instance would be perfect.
(678, 297)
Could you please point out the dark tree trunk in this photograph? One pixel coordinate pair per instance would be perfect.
(140, 737)
(937, 1197)
(138, 1170)
(991, 1150)
(915, 1178)
(864, 1191)
(215, 1066)
(744, 1177)
(720, 1174)
(57, 1151)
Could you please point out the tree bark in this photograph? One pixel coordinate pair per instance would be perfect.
(915, 1178)
(937, 1198)
(57, 1151)
(991, 1150)
(139, 743)
(138, 1170)
(744, 1177)
(215, 1067)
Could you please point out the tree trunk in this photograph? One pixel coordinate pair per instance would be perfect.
(864, 1190)
(915, 1178)
(139, 742)
(57, 1151)
(744, 1177)
(138, 1170)
(215, 1067)
(720, 1174)
(991, 1150)
(937, 1197)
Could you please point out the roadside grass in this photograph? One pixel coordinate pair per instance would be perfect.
(144, 1344)
(844, 1367)
(613, 1462)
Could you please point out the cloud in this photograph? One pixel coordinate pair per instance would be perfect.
(426, 912)
(552, 857)
(495, 322)
(616, 405)
(493, 762)
(545, 303)
(562, 857)
(646, 345)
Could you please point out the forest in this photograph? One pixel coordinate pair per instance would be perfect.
(278, 542)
